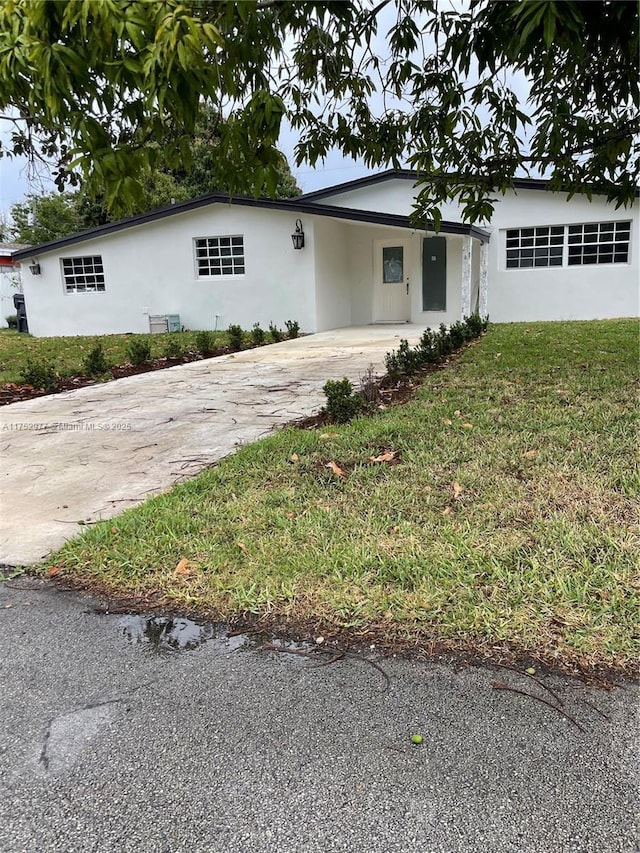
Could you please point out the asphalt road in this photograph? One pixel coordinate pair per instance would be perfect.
(109, 744)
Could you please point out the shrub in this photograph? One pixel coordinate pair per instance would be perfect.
(205, 342)
(458, 333)
(257, 335)
(443, 341)
(139, 350)
(476, 324)
(95, 363)
(40, 374)
(277, 334)
(392, 366)
(293, 328)
(12, 321)
(173, 348)
(236, 337)
(342, 403)
(429, 348)
(408, 358)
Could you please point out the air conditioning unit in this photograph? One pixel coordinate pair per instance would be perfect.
(161, 323)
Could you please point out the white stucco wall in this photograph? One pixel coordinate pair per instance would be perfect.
(150, 269)
(395, 195)
(589, 292)
(542, 293)
(332, 273)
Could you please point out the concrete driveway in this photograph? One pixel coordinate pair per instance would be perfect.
(90, 453)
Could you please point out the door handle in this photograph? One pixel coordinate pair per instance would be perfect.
(407, 287)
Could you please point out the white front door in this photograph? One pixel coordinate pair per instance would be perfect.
(391, 300)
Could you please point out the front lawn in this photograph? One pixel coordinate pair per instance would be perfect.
(507, 519)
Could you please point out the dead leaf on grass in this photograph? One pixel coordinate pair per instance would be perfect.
(530, 454)
(242, 547)
(447, 421)
(294, 457)
(326, 435)
(337, 470)
(467, 426)
(447, 511)
(390, 456)
(457, 490)
(183, 567)
(53, 571)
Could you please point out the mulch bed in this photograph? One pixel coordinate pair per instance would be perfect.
(13, 392)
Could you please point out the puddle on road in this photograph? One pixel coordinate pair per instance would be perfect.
(177, 634)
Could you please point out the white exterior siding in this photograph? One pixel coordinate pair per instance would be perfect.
(588, 292)
(332, 240)
(395, 195)
(150, 269)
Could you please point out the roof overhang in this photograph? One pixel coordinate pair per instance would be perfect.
(297, 206)
(413, 176)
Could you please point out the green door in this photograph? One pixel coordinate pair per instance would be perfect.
(434, 274)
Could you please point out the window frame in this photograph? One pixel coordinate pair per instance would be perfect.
(80, 268)
(624, 226)
(595, 247)
(532, 243)
(212, 258)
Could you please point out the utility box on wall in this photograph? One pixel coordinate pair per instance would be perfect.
(161, 323)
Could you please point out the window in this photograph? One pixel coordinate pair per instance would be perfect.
(83, 275)
(568, 245)
(220, 256)
(535, 247)
(392, 264)
(599, 243)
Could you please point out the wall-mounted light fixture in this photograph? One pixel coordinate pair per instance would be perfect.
(34, 268)
(298, 237)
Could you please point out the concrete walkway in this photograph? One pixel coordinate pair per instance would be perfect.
(90, 453)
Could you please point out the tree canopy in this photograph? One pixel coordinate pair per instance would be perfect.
(109, 89)
(46, 216)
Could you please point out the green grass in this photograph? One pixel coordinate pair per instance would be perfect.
(510, 522)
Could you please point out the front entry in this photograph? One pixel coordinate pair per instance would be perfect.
(391, 298)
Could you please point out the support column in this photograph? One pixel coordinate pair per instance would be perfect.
(465, 292)
(483, 302)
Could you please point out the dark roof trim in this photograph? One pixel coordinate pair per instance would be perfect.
(410, 175)
(366, 181)
(287, 205)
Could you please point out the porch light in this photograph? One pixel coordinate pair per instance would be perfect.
(298, 238)
(34, 268)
